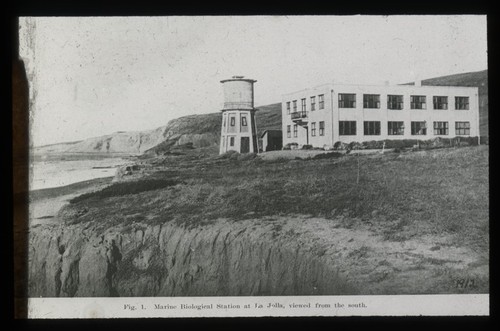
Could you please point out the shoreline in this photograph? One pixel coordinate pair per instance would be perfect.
(54, 192)
(44, 204)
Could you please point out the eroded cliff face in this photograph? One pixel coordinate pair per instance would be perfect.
(253, 257)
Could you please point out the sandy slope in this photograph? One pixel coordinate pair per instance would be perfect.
(45, 203)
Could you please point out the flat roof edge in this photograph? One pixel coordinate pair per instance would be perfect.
(238, 79)
(381, 86)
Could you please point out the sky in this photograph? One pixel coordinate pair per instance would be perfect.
(98, 75)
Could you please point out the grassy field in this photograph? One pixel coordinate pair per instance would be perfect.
(400, 195)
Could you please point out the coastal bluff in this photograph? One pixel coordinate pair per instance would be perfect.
(220, 259)
(202, 130)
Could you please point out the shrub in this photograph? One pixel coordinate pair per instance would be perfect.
(372, 144)
(327, 155)
(234, 156)
(437, 142)
(307, 147)
(290, 146)
(354, 145)
(227, 155)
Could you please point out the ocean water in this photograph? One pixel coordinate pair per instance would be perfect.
(56, 171)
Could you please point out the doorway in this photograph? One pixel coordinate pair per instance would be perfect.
(245, 145)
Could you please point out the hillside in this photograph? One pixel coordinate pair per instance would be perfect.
(130, 142)
(477, 79)
(201, 130)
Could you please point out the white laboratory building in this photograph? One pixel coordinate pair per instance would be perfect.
(324, 115)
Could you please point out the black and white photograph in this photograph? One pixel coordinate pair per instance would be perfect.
(185, 166)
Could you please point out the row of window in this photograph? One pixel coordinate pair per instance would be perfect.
(372, 128)
(321, 104)
(313, 129)
(321, 128)
(232, 123)
(372, 101)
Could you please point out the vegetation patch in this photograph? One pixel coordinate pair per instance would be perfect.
(126, 188)
(399, 196)
(409, 143)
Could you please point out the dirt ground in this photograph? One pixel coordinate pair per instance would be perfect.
(423, 264)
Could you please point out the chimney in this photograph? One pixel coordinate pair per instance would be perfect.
(387, 83)
(418, 82)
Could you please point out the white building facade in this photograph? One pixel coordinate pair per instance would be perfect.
(326, 114)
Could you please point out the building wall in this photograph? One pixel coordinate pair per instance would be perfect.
(237, 131)
(331, 114)
(265, 140)
(271, 141)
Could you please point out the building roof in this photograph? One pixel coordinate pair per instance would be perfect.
(238, 78)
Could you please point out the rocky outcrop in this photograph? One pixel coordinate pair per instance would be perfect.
(219, 259)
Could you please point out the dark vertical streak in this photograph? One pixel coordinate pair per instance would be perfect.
(20, 163)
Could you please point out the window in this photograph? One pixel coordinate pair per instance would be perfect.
(321, 101)
(462, 103)
(294, 105)
(232, 124)
(295, 131)
(288, 108)
(231, 141)
(440, 128)
(394, 102)
(371, 101)
(224, 124)
(347, 128)
(303, 104)
(321, 128)
(462, 128)
(347, 100)
(440, 102)
(313, 103)
(418, 128)
(372, 128)
(223, 142)
(244, 123)
(313, 129)
(417, 102)
(395, 128)
(288, 131)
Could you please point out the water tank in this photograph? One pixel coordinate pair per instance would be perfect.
(238, 93)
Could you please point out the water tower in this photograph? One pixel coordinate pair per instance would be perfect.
(239, 131)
